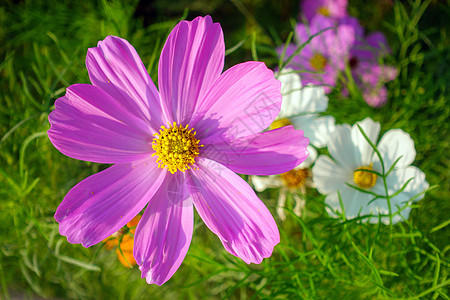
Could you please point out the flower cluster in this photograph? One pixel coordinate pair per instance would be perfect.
(339, 43)
(180, 146)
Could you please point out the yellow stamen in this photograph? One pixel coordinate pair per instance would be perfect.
(176, 147)
(364, 179)
(318, 62)
(324, 11)
(294, 179)
(280, 123)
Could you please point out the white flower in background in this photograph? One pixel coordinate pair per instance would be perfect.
(352, 155)
(294, 181)
(300, 107)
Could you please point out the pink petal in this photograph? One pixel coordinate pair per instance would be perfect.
(104, 202)
(88, 124)
(272, 152)
(115, 67)
(191, 60)
(242, 102)
(230, 209)
(164, 232)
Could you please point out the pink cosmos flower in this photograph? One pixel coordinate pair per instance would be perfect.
(367, 70)
(329, 8)
(325, 55)
(173, 149)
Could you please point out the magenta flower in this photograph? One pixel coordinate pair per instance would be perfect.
(325, 55)
(365, 63)
(173, 149)
(333, 9)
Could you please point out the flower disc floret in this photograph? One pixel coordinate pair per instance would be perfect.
(364, 179)
(295, 178)
(176, 147)
(318, 62)
(323, 10)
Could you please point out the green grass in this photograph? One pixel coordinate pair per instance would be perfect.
(44, 45)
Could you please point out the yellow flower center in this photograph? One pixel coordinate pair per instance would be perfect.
(324, 11)
(176, 147)
(318, 62)
(364, 179)
(295, 178)
(280, 123)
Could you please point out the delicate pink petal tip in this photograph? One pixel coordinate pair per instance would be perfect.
(104, 202)
(243, 101)
(164, 232)
(115, 67)
(191, 60)
(272, 152)
(230, 209)
(88, 124)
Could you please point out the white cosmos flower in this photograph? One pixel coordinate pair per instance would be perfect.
(351, 153)
(300, 108)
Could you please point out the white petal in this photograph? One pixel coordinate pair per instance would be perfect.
(396, 143)
(354, 202)
(329, 176)
(342, 148)
(314, 99)
(281, 204)
(298, 99)
(417, 185)
(317, 129)
(299, 205)
(290, 90)
(310, 159)
(363, 149)
(263, 182)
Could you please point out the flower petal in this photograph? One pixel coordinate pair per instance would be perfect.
(165, 231)
(341, 148)
(297, 99)
(263, 182)
(329, 176)
(353, 202)
(363, 150)
(242, 102)
(104, 202)
(291, 91)
(191, 61)
(88, 124)
(271, 152)
(317, 129)
(417, 185)
(396, 143)
(116, 68)
(312, 156)
(230, 209)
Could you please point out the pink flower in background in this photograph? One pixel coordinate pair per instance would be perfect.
(325, 55)
(173, 149)
(369, 73)
(329, 8)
